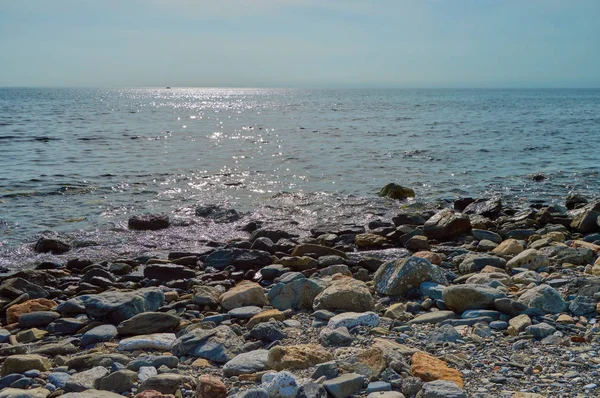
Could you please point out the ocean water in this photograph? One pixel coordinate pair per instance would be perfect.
(79, 162)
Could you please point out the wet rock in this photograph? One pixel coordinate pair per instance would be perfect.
(219, 345)
(398, 277)
(217, 214)
(247, 363)
(241, 259)
(297, 356)
(51, 245)
(485, 207)
(544, 297)
(168, 272)
(345, 294)
(148, 323)
(149, 222)
(586, 220)
(298, 294)
(417, 242)
(15, 287)
(308, 248)
(23, 363)
(345, 385)
(447, 225)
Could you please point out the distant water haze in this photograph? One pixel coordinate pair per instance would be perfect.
(77, 160)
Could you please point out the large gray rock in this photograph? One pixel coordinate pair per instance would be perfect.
(37, 319)
(475, 262)
(15, 287)
(460, 298)
(297, 295)
(485, 207)
(442, 389)
(447, 225)
(397, 277)
(586, 219)
(87, 379)
(571, 255)
(247, 363)
(115, 306)
(545, 298)
(99, 334)
(345, 385)
(148, 322)
(220, 344)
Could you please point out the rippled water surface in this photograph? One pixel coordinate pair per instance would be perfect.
(81, 161)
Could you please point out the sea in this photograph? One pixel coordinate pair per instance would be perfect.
(77, 163)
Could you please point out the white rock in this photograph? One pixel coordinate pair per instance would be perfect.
(352, 319)
(280, 385)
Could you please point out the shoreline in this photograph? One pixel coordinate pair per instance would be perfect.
(491, 300)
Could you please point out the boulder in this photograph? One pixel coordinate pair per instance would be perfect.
(396, 191)
(353, 319)
(586, 220)
(460, 298)
(243, 294)
(530, 259)
(86, 379)
(398, 277)
(346, 294)
(220, 344)
(301, 356)
(447, 225)
(148, 323)
(149, 222)
(485, 207)
(51, 245)
(298, 294)
(15, 287)
(545, 298)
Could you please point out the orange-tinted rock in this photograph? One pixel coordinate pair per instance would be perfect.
(211, 387)
(14, 312)
(433, 258)
(264, 317)
(153, 394)
(300, 356)
(429, 368)
(488, 269)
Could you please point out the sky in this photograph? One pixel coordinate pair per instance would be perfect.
(300, 43)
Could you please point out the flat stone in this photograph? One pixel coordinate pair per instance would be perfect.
(246, 363)
(460, 298)
(37, 319)
(297, 356)
(99, 334)
(148, 323)
(353, 319)
(442, 389)
(245, 293)
(219, 345)
(344, 385)
(23, 363)
(433, 317)
(86, 379)
(155, 341)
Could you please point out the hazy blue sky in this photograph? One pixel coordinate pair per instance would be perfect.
(315, 43)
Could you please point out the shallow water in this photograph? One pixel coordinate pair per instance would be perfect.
(81, 161)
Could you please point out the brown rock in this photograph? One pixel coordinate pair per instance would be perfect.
(347, 294)
(15, 311)
(201, 363)
(243, 294)
(23, 363)
(369, 240)
(508, 247)
(297, 356)
(429, 368)
(433, 258)
(319, 250)
(264, 317)
(211, 387)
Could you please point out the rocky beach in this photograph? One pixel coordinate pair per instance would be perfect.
(470, 299)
